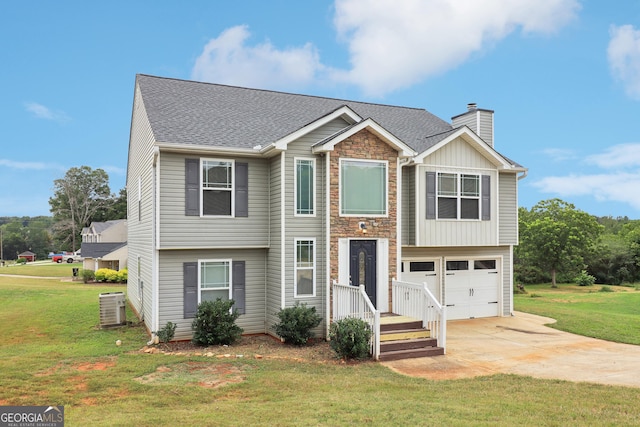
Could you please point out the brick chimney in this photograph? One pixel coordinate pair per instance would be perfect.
(478, 120)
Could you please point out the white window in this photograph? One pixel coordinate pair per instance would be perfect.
(214, 280)
(305, 268)
(305, 186)
(363, 188)
(217, 187)
(458, 196)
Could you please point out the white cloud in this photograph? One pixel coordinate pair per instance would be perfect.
(43, 112)
(618, 156)
(392, 44)
(24, 165)
(621, 185)
(228, 60)
(624, 57)
(560, 154)
(617, 187)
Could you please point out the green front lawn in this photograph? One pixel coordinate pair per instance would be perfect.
(50, 269)
(52, 353)
(586, 310)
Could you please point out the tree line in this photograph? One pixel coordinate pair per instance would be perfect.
(558, 242)
(79, 198)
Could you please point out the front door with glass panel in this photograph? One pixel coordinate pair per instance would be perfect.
(362, 266)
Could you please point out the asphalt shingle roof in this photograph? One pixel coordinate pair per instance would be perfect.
(188, 112)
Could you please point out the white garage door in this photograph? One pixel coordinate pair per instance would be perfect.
(423, 271)
(472, 288)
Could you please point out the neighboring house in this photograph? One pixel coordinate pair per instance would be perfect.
(268, 197)
(104, 245)
(28, 255)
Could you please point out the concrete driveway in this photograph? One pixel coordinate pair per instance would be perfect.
(523, 345)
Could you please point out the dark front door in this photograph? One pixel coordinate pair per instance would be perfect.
(362, 266)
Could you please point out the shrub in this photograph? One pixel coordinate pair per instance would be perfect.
(166, 334)
(350, 338)
(101, 274)
(296, 323)
(584, 279)
(215, 323)
(87, 275)
(605, 289)
(21, 261)
(111, 276)
(123, 275)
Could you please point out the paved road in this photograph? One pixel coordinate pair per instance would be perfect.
(523, 345)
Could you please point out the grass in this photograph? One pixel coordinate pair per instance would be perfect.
(51, 352)
(612, 314)
(49, 269)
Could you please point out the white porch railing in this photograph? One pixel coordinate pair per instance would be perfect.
(353, 301)
(415, 300)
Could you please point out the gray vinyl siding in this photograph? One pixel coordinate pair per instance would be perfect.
(274, 255)
(139, 230)
(508, 208)
(171, 286)
(486, 126)
(472, 252)
(409, 205)
(180, 231)
(468, 119)
(456, 157)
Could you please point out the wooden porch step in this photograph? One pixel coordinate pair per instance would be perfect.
(404, 334)
(410, 344)
(404, 325)
(411, 354)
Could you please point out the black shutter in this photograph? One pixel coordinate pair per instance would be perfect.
(486, 197)
(238, 286)
(242, 189)
(192, 187)
(190, 278)
(431, 195)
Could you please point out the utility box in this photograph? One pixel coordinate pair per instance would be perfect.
(112, 309)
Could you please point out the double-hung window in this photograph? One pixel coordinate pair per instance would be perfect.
(305, 268)
(458, 196)
(305, 186)
(363, 187)
(217, 187)
(215, 280)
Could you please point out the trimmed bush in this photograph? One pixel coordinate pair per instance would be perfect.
(166, 334)
(215, 323)
(296, 323)
(584, 279)
(123, 275)
(350, 338)
(111, 276)
(87, 275)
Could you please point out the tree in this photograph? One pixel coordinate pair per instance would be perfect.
(77, 198)
(556, 237)
(115, 209)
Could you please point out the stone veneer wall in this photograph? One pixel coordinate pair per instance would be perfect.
(364, 145)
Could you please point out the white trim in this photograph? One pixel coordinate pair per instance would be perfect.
(403, 149)
(283, 217)
(155, 253)
(232, 190)
(511, 282)
(345, 112)
(386, 182)
(399, 187)
(296, 240)
(229, 262)
(295, 187)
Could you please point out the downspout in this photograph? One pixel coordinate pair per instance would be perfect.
(327, 244)
(283, 252)
(155, 263)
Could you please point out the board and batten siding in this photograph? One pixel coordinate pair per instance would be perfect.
(140, 215)
(456, 157)
(415, 253)
(180, 231)
(274, 255)
(508, 208)
(409, 205)
(171, 286)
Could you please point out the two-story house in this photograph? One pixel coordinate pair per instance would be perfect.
(269, 197)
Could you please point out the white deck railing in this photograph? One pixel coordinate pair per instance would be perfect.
(415, 300)
(353, 301)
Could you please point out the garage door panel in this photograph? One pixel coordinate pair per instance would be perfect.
(473, 292)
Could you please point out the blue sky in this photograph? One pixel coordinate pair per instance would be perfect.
(563, 77)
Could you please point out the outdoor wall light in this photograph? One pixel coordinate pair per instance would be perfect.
(363, 227)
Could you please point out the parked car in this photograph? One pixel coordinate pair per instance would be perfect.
(72, 257)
